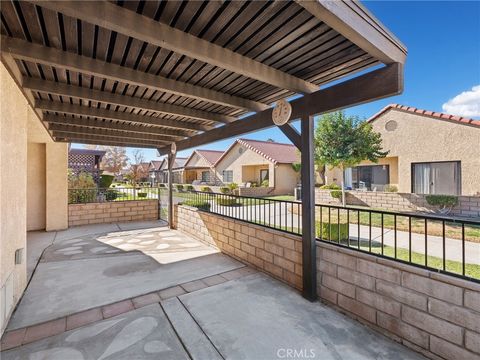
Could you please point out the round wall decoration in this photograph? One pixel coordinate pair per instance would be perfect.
(173, 148)
(281, 112)
(391, 125)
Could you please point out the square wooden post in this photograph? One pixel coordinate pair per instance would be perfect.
(171, 160)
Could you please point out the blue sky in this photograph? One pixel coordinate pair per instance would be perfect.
(443, 41)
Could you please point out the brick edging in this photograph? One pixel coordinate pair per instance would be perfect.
(22, 336)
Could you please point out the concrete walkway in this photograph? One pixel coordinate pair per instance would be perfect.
(140, 291)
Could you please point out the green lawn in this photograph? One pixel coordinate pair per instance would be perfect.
(281, 197)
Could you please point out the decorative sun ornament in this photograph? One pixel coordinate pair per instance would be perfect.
(281, 112)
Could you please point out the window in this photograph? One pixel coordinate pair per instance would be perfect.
(372, 178)
(227, 176)
(206, 176)
(436, 178)
(263, 175)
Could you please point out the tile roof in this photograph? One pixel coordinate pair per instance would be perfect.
(179, 163)
(211, 156)
(272, 151)
(433, 114)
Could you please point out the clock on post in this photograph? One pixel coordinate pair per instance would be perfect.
(281, 112)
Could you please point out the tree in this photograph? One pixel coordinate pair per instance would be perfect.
(344, 141)
(114, 160)
(137, 170)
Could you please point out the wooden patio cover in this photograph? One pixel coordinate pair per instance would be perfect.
(149, 74)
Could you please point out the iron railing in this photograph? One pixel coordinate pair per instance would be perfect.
(447, 245)
(82, 196)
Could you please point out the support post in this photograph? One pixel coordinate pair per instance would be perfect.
(171, 160)
(309, 248)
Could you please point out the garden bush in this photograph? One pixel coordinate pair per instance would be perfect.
(142, 194)
(161, 185)
(225, 190)
(189, 188)
(111, 195)
(179, 187)
(82, 188)
(199, 204)
(232, 186)
(445, 203)
(390, 188)
(265, 183)
(322, 232)
(205, 189)
(330, 187)
(336, 194)
(227, 202)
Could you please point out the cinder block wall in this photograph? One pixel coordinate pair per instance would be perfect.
(110, 212)
(468, 206)
(432, 313)
(273, 252)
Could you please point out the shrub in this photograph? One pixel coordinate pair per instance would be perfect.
(330, 187)
(199, 204)
(254, 184)
(142, 194)
(205, 189)
(111, 195)
(390, 188)
(225, 190)
(265, 183)
(179, 187)
(337, 194)
(189, 188)
(82, 188)
(323, 232)
(232, 186)
(227, 201)
(444, 202)
(105, 181)
(161, 185)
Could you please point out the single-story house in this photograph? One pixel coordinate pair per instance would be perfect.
(248, 162)
(154, 171)
(177, 170)
(200, 167)
(86, 160)
(429, 153)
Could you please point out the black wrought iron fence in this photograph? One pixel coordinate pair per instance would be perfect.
(449, 245)
(82, 196)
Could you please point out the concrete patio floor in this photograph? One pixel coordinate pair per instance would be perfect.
(142, 291)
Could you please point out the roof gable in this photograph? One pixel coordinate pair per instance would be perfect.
(210, 157)
(431, 114)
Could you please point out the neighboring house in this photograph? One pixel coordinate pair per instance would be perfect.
(142, 171)
(254, 161)
(200, 167)
(177, 171)
(85, 160)
(154, 171)
(429, 153)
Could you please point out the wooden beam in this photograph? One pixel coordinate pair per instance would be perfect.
(78, 92)
(106, 143)
(292, 134)
(25, 50)
(78, 130)
(309, 246)
(101, 113)
(171, 159)
(113, 17)
(358, 25)
(98, 124)
(100, 140)
(378, 84)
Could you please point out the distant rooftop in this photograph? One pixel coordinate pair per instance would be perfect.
(86, 152)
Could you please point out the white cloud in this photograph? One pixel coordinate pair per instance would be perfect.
(465, 104)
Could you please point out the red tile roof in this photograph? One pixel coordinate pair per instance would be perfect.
(433, 114)
(272, 151)
(211, 156)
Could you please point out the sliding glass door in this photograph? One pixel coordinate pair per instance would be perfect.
(437, 178)
(373, 177)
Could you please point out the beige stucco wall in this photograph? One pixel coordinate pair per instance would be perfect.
(36, 187)
(13, 185)
(420, 138)
(33, 187)
(285, 179)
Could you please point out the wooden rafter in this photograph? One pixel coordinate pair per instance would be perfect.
(67, 108)
(24, 50)
(104, 142)
(101, 140)
(124, 21)
(96, 124)
(78, 92)
(384, 82)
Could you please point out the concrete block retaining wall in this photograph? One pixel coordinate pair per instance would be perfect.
(435, 314)
(468, 206)
(110, 212)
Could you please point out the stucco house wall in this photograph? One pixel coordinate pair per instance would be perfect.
(33, 188)
(422, 138)
(286, 179)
